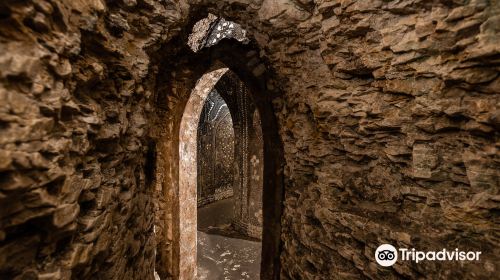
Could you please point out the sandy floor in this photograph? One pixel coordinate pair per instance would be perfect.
(227, 258)
(224, 257)
(215, 214)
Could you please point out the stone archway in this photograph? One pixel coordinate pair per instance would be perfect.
(187, 172)
(248, 164)
(177, 82)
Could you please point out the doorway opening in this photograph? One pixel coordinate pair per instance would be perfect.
(221, 173)
(185, 87)
(229, 184)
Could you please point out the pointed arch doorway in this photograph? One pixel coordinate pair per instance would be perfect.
(176, 221)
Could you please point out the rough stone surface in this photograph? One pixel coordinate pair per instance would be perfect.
(75, 191)
(388, 115)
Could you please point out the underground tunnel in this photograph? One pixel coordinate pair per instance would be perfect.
(249, 139)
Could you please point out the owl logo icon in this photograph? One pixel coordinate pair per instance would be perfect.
(386, 255)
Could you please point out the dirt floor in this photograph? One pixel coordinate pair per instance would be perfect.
(221, 254)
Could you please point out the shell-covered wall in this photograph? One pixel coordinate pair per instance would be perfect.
(215, 160)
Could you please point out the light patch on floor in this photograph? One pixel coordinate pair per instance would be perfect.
(227, 258)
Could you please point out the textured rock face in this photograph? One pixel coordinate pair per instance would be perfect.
(390, 131)
(389, 120)
(74, 194)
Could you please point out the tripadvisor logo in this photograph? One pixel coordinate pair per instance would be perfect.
(387, 255)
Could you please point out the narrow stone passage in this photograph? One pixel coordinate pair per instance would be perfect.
(229, 159)
(341, 134)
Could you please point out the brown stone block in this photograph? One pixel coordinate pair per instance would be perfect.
(424, 160)
(65, 214)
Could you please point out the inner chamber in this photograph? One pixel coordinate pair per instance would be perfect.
(229, 183)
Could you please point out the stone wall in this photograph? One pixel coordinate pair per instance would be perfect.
(248, 165)
(389, 121)
(230, 153)
(215, 161)
(76, 196)
(388, 116)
